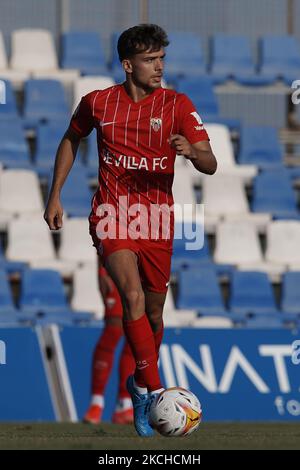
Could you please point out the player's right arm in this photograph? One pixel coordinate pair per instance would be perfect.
(81, 125)
(65, 157)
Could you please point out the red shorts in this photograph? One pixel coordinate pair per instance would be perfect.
(154, 258)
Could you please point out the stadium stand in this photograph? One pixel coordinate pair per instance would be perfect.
(82, 50)
(44, 100)
(280, 57)
(16, 77)
(14, 150)
(260, 146)
(33, 51)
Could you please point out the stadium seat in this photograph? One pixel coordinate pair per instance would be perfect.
(223, 149)
(86, 293)
(280, 57)
(185, 258)
(265, 321)
(290, 297)
(6, 301)
(198, 289)
(213, 321)
(42, 290)
(283, 241)
(44, 100)
(9, 109)
(14, 152)
(273, 193)
(27, 199)
(237, 243)
(224, 196)
(85, 85)
(260, 146)
(33, 51)
(16, 77)
(83, 50)
(184, 56)
(29, 240)
(48, 137)
(76, 195)
(251, 293)
(200, 90)
(76, 243)
(232, 58)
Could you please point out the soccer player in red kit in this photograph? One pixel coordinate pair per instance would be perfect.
(104, 355)
(140, 128)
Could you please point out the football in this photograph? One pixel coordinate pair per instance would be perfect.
(175, 412)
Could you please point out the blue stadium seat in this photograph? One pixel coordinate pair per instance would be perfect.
(14, 152)
(184, 56)
(76, 195)
(231, 56)
(183, 258)
(42, 290)
(290, 298)
(198, 289)
(260, 146)
(48, 137)
(116, 66)
(6, 300)
(83, 50)
(44, 100)
(273, 193)
(251, 293)
(9, 109)
(200, 90)
(265, 321)
(280, 57)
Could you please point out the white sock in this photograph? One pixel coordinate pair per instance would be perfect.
(124, 404)
(98, 400)
(154, 392)
(141, 390)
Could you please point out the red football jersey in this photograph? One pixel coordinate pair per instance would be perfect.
(135, 157)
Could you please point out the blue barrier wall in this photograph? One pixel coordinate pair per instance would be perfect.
(24, 392)
(237, 374)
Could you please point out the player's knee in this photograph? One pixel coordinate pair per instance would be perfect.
(155, 319)
(134, 300)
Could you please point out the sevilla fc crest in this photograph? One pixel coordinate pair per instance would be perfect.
(155, 124)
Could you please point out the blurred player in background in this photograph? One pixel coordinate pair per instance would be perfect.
(104, 355)
(140, 129)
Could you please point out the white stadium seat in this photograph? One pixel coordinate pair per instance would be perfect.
(17, 77)
(29, 240)
(86, 294)
(84, 85)
(222, 147)
(33, 51)
(283, 242)
(224, 197)
(237, 243)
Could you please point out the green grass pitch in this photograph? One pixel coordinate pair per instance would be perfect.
(112, 437)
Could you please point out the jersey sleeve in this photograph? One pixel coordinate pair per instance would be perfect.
(190, 123)
(82, 121)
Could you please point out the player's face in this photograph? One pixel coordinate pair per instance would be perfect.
(146, 68)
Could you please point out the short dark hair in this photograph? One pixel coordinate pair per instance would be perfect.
(140, 39)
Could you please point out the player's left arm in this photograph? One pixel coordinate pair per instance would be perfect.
(200, 153)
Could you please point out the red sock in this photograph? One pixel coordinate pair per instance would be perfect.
(126, 368)
(103, 357)
(141, 339)
(157, 339)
